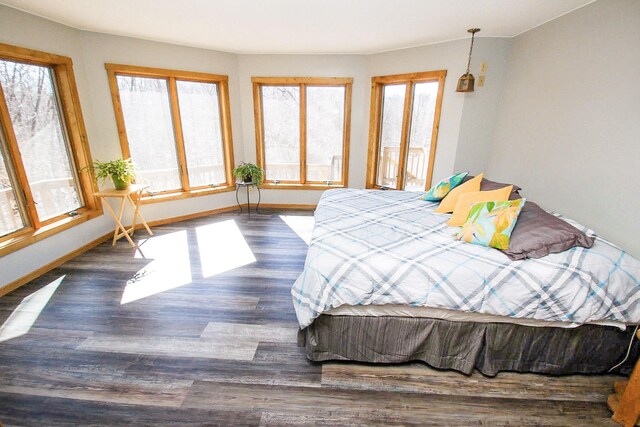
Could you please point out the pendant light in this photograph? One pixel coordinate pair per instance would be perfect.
(465, 83)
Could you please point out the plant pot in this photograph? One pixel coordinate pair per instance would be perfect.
(247, 178)
(120, 184)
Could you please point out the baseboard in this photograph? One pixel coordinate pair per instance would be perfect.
(59, 261)
(283, 206)
(53, 264)
(226, 209)
(189, 216)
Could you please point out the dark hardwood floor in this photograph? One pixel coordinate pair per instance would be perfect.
(204, 333)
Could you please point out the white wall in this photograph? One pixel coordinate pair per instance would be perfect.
(568, 129)
(99, 49)
(89, 52)
(462, 139)
(466, 123)
(560, 105)
(479, 116)
(20, 29)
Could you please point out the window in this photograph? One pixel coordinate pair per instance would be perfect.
(176, 127)
(45, 185)
(405, 112)
(302, 130)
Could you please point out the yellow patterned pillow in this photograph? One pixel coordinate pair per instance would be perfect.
(491, 223)
(463, 205)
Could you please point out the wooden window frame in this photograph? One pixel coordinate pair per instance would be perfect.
(171, 76)
(375, 123)
(79, 153)
(302, 83)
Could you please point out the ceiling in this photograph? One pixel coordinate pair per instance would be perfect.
(300, 26)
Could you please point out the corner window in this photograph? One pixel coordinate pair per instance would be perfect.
(175, 126)
(302, 130)
(44, 182)
(405, 113)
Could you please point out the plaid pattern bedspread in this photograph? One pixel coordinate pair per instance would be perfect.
(388, 247)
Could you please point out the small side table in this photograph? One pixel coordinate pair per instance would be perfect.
(132, 195)
(247, 185)
(625, 401)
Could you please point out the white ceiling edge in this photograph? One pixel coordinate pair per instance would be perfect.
(553, 19)
(198, 46)
(117, 34)
(467, 38)
(222, 50)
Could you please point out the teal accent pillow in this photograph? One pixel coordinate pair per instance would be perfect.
(491, 223)
(442, 188)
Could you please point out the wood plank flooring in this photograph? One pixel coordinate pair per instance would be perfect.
(192, 330)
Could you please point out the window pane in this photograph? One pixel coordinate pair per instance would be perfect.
(390, 134)
(147, 117)
(281, 115)
(10, 215)
(33, 107)
(422, 115)
(202, 132)
(325, 133)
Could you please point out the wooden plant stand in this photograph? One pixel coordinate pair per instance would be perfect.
(131, 195)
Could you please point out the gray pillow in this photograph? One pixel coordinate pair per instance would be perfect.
(538, 233)
(488, 185)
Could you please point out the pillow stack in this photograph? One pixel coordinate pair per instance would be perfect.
(494, 214)
(487, 218)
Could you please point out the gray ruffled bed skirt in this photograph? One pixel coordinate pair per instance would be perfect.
(488, 347)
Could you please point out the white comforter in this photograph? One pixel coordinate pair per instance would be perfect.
(388, 247)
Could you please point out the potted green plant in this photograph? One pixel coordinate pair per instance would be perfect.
(249, 172)
(122, 172)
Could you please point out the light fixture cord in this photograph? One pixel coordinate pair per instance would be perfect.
(628, 349)
(470, 50)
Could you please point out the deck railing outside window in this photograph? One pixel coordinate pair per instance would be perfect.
(212, 174)
(53, 197)
(290, 171)
(416, 167)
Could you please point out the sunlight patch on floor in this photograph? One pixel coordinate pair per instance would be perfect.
(301, 225)
(28, 311)
(169, 269)
(222, 248)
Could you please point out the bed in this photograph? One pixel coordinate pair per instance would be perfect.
(385, 282)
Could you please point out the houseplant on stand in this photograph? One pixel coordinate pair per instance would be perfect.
(122, 172)
(249, 172)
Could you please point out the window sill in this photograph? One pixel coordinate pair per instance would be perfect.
(28, 237)
(289, 186)
(384, 187)
(166, 197)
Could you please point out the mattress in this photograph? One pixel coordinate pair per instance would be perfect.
(397, 310)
